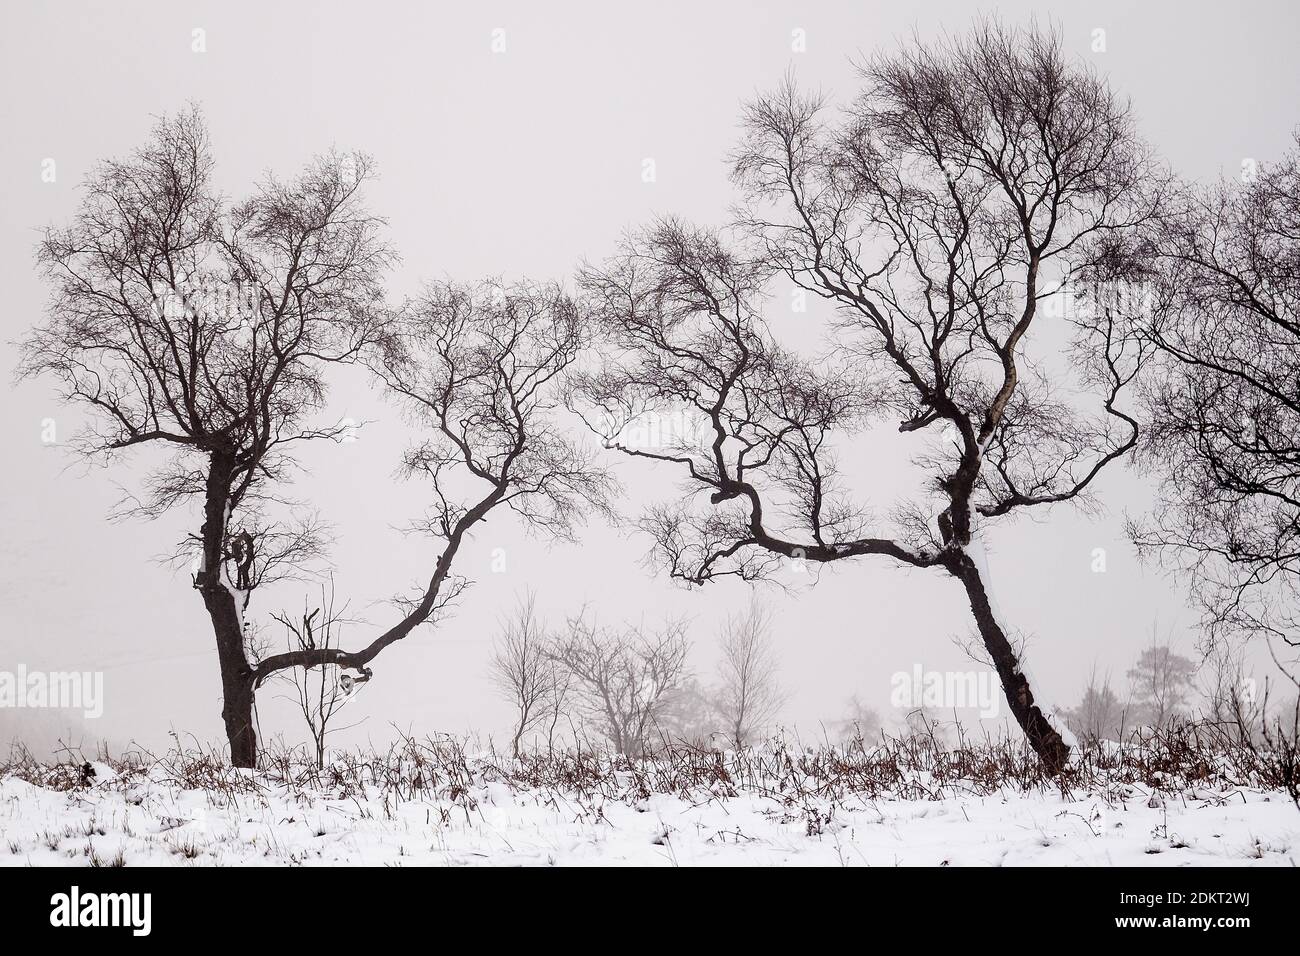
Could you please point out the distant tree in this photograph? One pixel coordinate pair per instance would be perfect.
(971, 179)
(1234, 701)
(858, 722)
(556, 702)
(1161, 683)
(749, 694)
(624, 677)
(1100, 715)
(522, 670)
(690, 716)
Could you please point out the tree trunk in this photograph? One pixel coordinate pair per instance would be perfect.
(227, 622)
(237, 706)
(1052, 750)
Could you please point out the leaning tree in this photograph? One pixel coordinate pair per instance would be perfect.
(483, 369)
(180, 322)
(970, 180)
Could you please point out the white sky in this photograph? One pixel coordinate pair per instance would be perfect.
(523, 163)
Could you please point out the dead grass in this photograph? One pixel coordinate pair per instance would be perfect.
(1193, 758)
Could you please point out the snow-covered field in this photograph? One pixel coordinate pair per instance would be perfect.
(161, 825)
(476, 814)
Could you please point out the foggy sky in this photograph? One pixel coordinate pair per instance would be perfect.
(524, 163)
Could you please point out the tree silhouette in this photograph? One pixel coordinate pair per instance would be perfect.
(1224, 400)
(969, 180)
(179, 322)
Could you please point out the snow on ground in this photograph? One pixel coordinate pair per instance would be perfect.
(147, 820)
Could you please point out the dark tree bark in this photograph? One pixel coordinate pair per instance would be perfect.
(482, 366)
(135, 336)
(180, 322)
(1042, 736)
(237, 699)
(966, 180)
(226, 614)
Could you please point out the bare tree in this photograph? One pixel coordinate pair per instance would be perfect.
(1100, 714)
(522, 671)
(1224, 404)
(624, 677)
(556, 703)
(483, 368)
(690, 716)
(971, 179)
(184, 324)
(859, 722)
(319, 692)
(1233, 699)
(749, 695)
(1161, 684)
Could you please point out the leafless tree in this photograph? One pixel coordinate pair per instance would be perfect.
(625, 677)
(1234, 701)
(482, 367)
(181, 323)
(1224, 403)
(859, 722)
(690, 716)
(319, 692)
(1161, 684)
(522, 669)
(970, 180)
(1100, 714)
(749, 694)
(556, 704)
